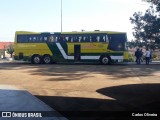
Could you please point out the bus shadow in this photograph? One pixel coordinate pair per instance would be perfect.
(65, 72)
(131, 98)
(79, 108)
(139, 97)
(78, 72)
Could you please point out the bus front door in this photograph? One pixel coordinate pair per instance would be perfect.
(77, 53)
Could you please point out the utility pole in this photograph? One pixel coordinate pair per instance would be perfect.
(61, 15)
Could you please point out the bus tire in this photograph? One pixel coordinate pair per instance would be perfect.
(105, 59)
(36, 59)
(47, 59)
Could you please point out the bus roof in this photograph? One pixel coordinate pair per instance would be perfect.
(93, 32)
(74, 32)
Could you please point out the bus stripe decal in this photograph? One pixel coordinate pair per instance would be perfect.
(72, 57)
(117, 57)
(61, 50)
(82, 57)
(90, 57)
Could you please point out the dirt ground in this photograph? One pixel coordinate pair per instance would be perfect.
(72, 87)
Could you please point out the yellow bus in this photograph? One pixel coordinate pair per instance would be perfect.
(104, 47)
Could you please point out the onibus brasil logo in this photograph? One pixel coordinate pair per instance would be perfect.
(21, 114)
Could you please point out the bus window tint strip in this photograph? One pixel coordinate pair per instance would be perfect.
(32, 38)
(42, 38)
(84, 38)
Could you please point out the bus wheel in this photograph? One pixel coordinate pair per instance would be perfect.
(47, 59)
(105, 60)
(36, 59)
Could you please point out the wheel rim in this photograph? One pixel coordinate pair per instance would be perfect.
(105, 60)
(36, 60)
(47, 59)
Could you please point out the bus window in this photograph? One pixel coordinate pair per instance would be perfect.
(84, 38)
(34, 39)
(101, 39)
(41, 38)
(56, 38)
(117, 42)
(67, 38)
(53, 38)
(80, 39)
(104, 38)
(45, 39)
(107, 40)
(62, 39)
(30, 39)
(98, 38)
(90, 38)
(75, 38)
(72, 39)
(22, 38)
(94, 38)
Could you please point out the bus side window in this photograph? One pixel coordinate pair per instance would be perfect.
(33, 39)
(84, 38)
(104, 38)
(98, 38)
(71, 39)
(75, 39)
(45, 38)
(30, 39)
(62, 39)
(22, 38)
(94, 38)
(56, 39)
(41, 38)
(68, 38)
(101, 39)
(51, 38)
(80, 39)
(90, 38)
(107, 39)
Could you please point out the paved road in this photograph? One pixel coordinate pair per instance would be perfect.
(20, 104)
(88, 87)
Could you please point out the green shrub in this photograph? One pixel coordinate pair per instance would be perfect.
(155, 57)
(131, 57)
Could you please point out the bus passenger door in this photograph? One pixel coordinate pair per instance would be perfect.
(77, 53)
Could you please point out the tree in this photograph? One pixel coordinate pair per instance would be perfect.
(10, 50)
(147, 26)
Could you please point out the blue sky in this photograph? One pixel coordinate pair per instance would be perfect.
(45, 16)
